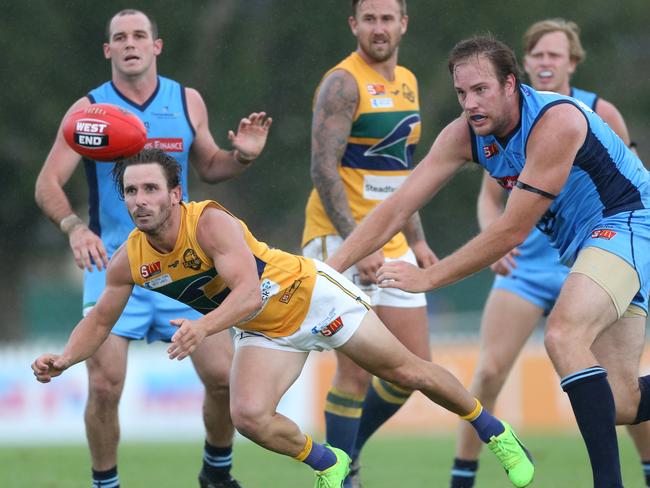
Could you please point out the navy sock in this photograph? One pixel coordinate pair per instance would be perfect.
(463, 473)
(643, 413)
(486, 425)
(106, 479)
(320, 457)
(217, 462)
(382, 401)
(646, 471)
(342, 416)
(593, 406)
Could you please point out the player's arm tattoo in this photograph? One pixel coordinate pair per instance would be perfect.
(413, 229)
(333, 112)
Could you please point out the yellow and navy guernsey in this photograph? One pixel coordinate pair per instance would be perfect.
(379, 154)
(188, 275)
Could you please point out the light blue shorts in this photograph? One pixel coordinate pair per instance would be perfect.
(540, 287)
(626, 235)
(147, 313)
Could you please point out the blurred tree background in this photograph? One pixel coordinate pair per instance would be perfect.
(252, 55)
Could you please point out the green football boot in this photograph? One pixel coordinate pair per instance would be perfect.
(513, 456)
(333, 476)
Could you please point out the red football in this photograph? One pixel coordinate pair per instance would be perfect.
(104, 132)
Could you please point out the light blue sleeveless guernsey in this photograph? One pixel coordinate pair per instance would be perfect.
(166, 118)
(168, 127)
(606, 177)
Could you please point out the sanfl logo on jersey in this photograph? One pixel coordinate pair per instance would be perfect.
(394, 145)
(376, 89)
(490, 150)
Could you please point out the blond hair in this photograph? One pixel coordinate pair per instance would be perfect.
(543, 27)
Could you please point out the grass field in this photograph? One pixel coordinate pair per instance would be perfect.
(388, 462)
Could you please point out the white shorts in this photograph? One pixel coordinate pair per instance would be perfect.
(336, 310)
(323, 247)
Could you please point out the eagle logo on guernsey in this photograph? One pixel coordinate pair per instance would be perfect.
(191, 260)
(408, 93)
(395, 145)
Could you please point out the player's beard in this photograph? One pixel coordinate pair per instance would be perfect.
(157, 222)
(380, 55)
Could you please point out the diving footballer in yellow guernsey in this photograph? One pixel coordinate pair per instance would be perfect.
(283, 306)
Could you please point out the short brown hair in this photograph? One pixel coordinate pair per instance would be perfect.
(356, 3)
(132, 11)
(539, 29)
(503, 58)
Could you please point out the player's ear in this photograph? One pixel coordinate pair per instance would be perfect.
(157, 46)
(177, 194)
(572, 66)
(404, 22)
(107, 50)
(510, 84)
(352, 22)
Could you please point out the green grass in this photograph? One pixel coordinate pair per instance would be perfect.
(388, 462)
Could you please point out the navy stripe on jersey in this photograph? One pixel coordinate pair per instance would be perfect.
(616, 192)
(356, 157)
(90, 168)
(140, 107)
(629, 226)
(639, 296)
(186, 110)
(472, 138)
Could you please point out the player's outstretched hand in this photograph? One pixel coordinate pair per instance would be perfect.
(48, 366)
(186, 339)
(403, 275)
(88, 248)
(251, 135)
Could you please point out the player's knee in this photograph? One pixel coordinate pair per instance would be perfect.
(250, 419)
(217, 383)
(404, 378)
(104, 393)
(104, 389)
(489, 379)
(556, 341)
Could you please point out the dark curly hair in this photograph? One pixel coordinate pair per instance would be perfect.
(171, 168)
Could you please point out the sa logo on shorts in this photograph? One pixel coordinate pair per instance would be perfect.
(333, 327)
(606, 234)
